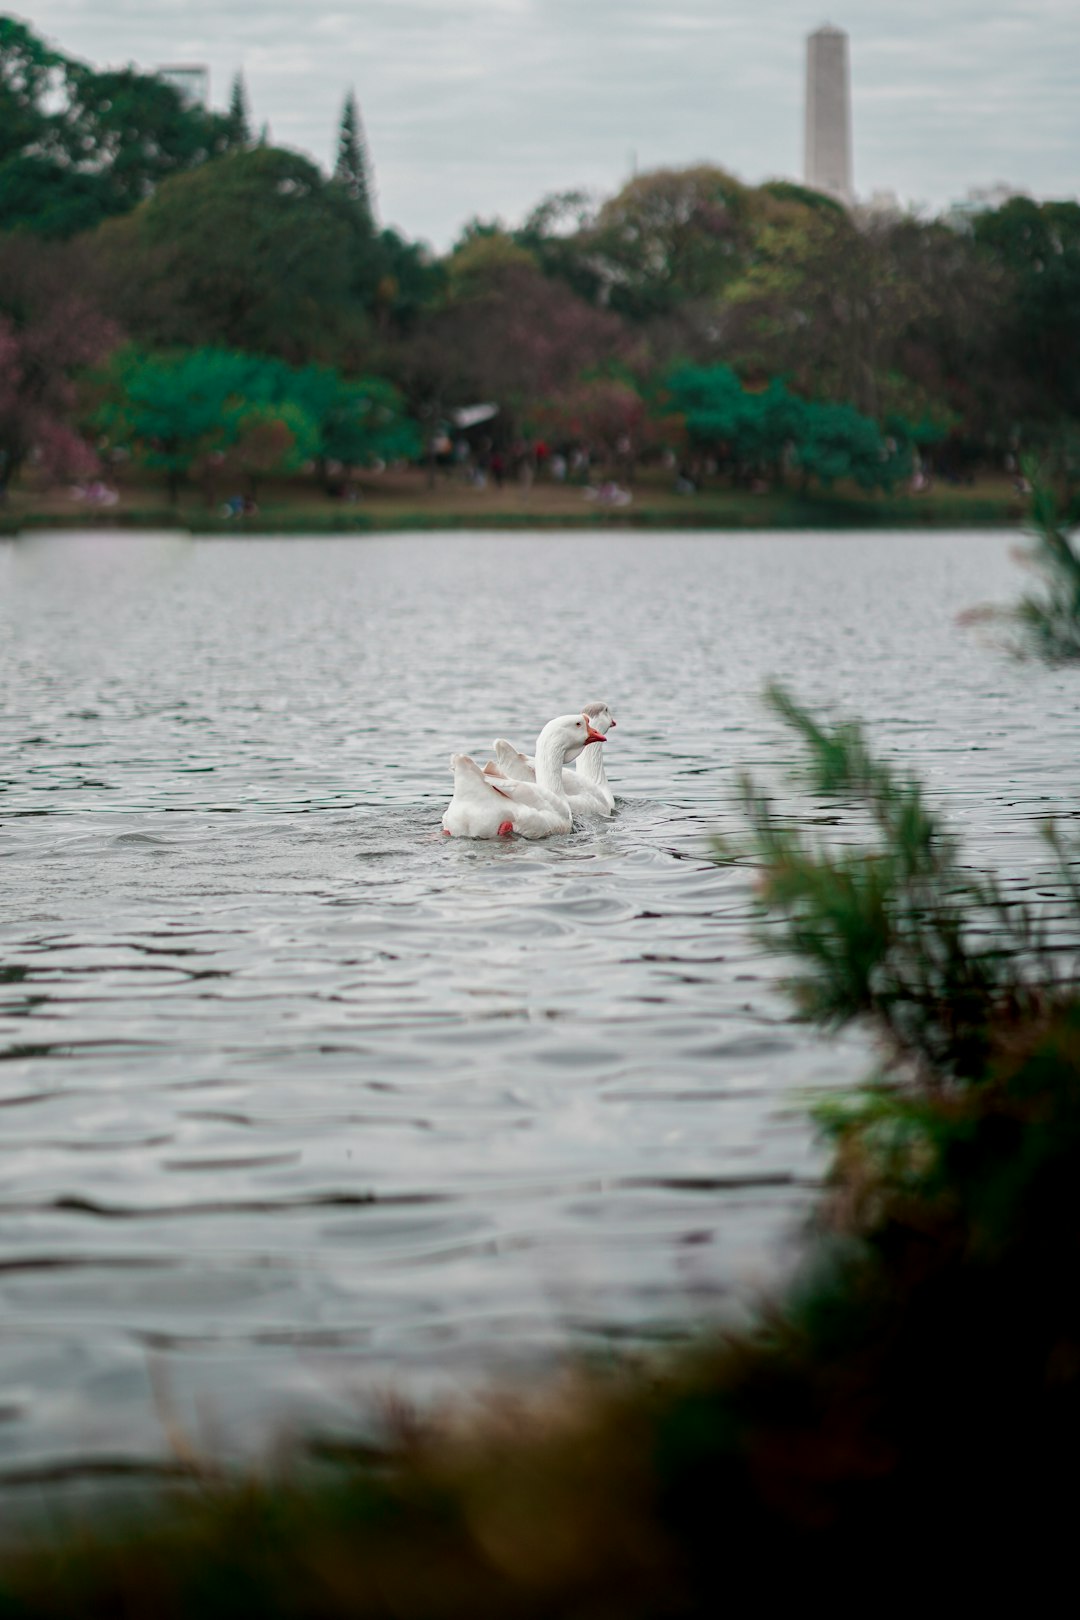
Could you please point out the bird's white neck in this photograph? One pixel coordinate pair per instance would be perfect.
(590, 763)
(551, 750)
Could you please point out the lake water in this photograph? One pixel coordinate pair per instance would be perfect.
(303, 1104)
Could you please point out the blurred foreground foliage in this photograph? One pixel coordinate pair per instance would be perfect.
(1044, 624)
(909, 1414)
(899, 930)
(1050, 621)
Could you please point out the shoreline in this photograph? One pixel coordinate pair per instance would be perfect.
(730, 515)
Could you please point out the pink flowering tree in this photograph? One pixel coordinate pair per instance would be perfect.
(604, 415)
(50, 330)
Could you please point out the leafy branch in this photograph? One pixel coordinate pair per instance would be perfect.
(1050, 622)
(1047, 624)
(897, 929)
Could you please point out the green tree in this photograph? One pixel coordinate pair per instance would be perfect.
(410, 280)
(756, 431)
(254, 251)
(669, 237)
(238, 116)
(358, 422)
(216, 411)
(1038, 244)
(367, 424)
(137, 129)
(172, 409)
(806, 196)
(52, 199)
(887, 315)
(352, 168)
(483, 256)
(746, 430)
(29, 72)
(834, 442)
(816, 303)
(77, 145)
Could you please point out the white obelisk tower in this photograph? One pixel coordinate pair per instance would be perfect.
(828, 114)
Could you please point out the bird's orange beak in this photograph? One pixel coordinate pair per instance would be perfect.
(595, 736)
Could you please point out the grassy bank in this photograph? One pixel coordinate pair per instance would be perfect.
(402, 501)
(909, 1414)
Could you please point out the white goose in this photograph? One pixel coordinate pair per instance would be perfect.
(488, 807)
(586, 787)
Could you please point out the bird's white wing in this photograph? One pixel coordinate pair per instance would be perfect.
(511, 763)
(470, 780)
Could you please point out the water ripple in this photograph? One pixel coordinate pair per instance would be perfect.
(303, 1099)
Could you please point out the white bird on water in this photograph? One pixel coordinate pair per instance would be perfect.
(485, 806)
(586, 787)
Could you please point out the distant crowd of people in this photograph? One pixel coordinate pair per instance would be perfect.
(239, 506)
(95, 493)
(483, 462)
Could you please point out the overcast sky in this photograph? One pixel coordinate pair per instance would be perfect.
(484, 106)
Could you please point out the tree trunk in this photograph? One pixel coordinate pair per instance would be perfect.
(10, 465)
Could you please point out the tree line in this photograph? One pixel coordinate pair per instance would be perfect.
(762, 330)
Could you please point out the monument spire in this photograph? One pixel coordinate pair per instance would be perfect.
(827, 164)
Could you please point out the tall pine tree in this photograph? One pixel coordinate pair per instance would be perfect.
(353, 168)
(239, 118)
